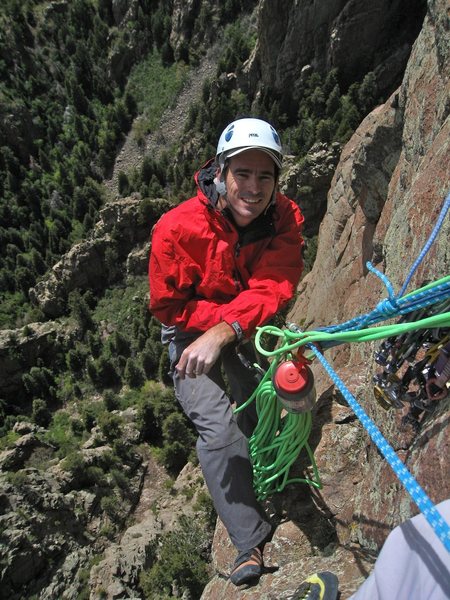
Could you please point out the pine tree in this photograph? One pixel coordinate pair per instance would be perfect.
(133, 375)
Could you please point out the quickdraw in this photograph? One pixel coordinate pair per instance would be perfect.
(416, 369)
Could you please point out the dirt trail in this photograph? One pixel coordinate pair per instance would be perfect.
(171, 126)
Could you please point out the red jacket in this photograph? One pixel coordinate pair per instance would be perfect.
(204, 269)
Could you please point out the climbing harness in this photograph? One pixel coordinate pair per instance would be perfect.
(284, 397)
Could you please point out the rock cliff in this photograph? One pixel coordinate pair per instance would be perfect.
(351, 35)
(379, 196)
(383, 201)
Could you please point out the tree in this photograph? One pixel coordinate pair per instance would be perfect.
(324, 131)
(164, 367)
(110, 425)
(317, 102)
(178, 442)
(110, 400)
(107, 375)
(39, 382)
(133, 375)
(75, 360)
(179, 561)
(40, 413)
(333, 103)
(349, 119)
(119, 344)
(367, 93)
(123, 184)
(25, 279)
(81, 312)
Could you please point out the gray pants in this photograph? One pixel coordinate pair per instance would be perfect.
(222, 446)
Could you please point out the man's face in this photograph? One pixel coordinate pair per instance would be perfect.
(250, 181)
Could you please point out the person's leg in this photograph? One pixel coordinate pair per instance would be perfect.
(223, 454)
(412, 565)
(243, 380)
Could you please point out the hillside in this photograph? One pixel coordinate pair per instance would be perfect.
(99, 484)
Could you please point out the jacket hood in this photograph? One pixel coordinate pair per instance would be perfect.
(204, 178)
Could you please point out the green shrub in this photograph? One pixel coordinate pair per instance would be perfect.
(111, 506)
(40, 413)
(110, 425)
(119, 479)
(18, 479)
(111, 400)
(61, 434)
(182, 559)
(205, 507)
(7, 435)
(74, 463)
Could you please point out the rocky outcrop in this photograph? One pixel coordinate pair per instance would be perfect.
(51, 515)
(193, 27)
(119, 571)
(124, 225)
(307, 182)
(353, 36)
(383, 202)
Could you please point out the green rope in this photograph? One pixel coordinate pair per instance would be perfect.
(279, 437)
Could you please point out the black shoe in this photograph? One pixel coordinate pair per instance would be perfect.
(248, 567)
(319, 586)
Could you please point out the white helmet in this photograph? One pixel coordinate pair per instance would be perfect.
(249, 134)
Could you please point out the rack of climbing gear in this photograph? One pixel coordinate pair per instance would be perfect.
(416, 369)
(285, 395)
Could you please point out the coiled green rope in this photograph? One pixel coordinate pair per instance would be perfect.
(279, 438)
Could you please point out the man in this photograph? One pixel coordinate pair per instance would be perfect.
(223, 263)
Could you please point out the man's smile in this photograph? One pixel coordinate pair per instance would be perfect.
(251, 200)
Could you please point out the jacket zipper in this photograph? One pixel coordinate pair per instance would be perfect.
(236, 275)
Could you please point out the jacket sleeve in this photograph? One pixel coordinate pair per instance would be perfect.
(274, 278)
(172, 295)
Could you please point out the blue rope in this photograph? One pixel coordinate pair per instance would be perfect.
(423, 502)
(394, 304)
(391, 307)
(428, 244)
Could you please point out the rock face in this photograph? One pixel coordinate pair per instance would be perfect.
(51, 515)
(351, 35)
(385, 190)
(307, 182)
(123, 227)
(384, 199)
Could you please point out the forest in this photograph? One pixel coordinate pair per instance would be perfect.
(65, 112)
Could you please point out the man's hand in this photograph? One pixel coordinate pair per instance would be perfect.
(199, 357)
